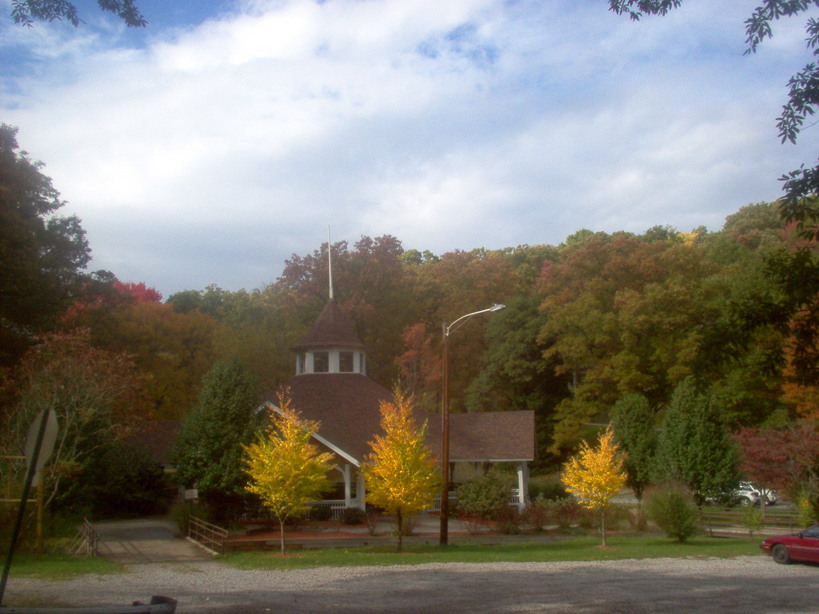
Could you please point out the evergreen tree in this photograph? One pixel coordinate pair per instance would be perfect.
(634, 432)
(695, 447)
(209, 452)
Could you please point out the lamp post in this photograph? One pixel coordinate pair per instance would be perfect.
(447, 330)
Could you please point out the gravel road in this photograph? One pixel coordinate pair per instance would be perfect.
(745, 584)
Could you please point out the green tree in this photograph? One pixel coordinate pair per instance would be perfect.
(42, 255)
(694, 446)
(286, 469)
(400, 472)
(514, 374)
(26, 12)
(636, 435)
(209, 452)
(595, 475)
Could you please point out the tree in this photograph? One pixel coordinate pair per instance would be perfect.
(781, 459)
(42, 255)
(286, 469)
(634, 432)
(796, 272)
(694, 446)
(400, 472)
(26, 12)
(209, 451)
(514, 374)
(595, 475)
(98, 397)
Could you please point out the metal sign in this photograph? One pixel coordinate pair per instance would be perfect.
(39, 457)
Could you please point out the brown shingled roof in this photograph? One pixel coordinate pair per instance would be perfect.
(347, 405)
(331, 328)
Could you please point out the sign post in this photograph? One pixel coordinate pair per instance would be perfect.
(39, 446)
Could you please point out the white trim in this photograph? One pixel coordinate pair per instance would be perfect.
(318, 437)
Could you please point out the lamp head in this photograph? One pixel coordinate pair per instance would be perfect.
(497, 307)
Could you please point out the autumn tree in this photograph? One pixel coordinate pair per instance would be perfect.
(287, 470)
(694, 447)
(795, 271)
(596, 475)
(208, 453)
(781, 459)
(400, 472)
(98, 397)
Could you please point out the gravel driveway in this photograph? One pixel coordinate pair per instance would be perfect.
(745, 584)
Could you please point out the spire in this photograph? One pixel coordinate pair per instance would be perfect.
(330, 261)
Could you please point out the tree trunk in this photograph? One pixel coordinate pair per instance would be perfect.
(281, 533)
(400, 521)
(603, 526)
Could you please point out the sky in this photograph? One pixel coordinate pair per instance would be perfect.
(228, 135)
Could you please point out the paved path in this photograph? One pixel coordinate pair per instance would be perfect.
(146, 540)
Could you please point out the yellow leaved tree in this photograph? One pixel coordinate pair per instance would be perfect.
(286, 469)
(400, 472)
(595, 475)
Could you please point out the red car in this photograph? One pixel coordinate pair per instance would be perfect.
(803, 546)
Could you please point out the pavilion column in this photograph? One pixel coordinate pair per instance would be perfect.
(360, 491)
(523, 485)
(348, 485)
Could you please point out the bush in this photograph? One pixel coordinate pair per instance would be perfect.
(672, 508)
(508, 520)
(752, 519)
(353, 516)
(483, 496)
(547, 487)
(320, 513)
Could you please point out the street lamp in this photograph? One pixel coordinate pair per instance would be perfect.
(447, 329)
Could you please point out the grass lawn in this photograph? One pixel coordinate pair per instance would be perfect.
(59, 566)
(574, 549)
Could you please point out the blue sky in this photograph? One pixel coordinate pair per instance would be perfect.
(227, 135)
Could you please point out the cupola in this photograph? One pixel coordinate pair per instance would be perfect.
(331, 345)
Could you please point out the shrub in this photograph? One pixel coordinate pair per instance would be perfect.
(353, 516)
(483, 496)
(320, 513)
(752, 519)
(537, 514)
(508, 520)
(547, 487)
(672, 508)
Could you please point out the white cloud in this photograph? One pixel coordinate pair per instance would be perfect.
(213, 152)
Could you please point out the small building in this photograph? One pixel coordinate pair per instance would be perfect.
(331, 386)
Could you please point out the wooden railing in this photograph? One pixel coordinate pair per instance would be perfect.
(207, 535)
(86, 541)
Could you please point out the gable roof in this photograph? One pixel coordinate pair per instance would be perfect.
(331, 328)
(346, 404)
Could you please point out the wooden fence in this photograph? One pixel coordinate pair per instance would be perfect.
(207, 535)
(720, 520)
